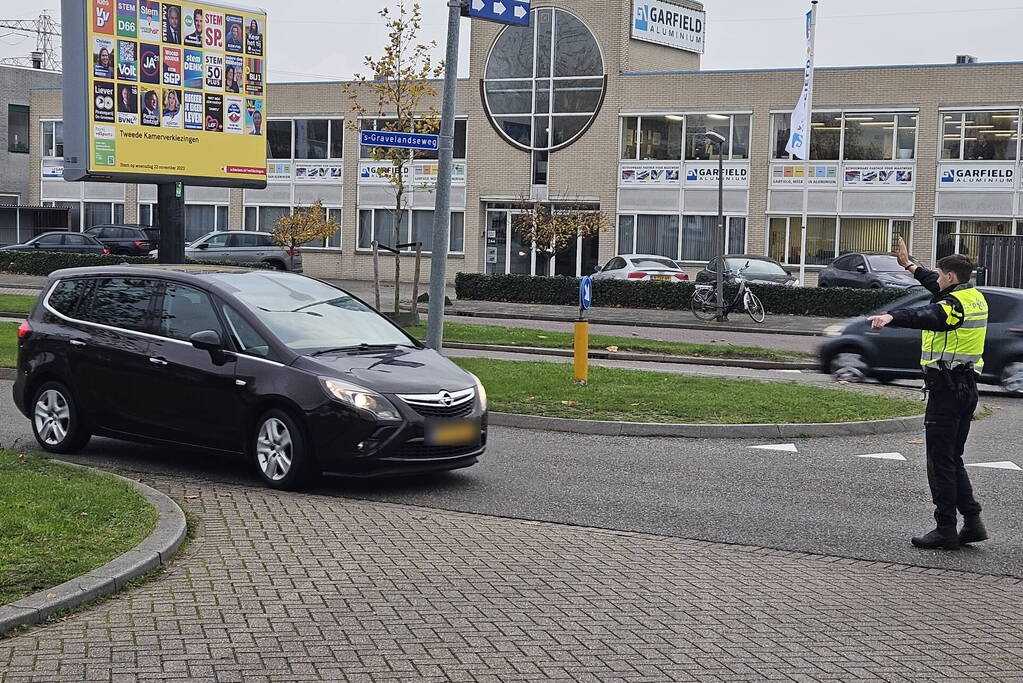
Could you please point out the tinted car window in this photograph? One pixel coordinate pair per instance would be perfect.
(266, 241)
(843, 263)
(245, 337)
(186, 311)
(76, 240)
(885, 264)
(756, 266)
(218, 240)
(50, 240)
(98, 232)
(122, 302)
(245, 240)
(151, 235)
(64, 297)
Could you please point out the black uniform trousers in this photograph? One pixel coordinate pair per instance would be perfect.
(952, 401)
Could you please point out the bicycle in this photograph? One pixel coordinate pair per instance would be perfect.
(704, 302)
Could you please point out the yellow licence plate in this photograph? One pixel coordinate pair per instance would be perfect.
(661, 277)
(453, 433)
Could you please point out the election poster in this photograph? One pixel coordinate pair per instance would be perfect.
(168, 90)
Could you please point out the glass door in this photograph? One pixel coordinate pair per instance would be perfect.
(520, 258)
(497, 242)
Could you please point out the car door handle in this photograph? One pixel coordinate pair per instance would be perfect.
(158, 361)
(76, 342)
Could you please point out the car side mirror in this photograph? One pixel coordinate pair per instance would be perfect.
(861, 268)
(37, 245)
(204, 245)
(207, 340)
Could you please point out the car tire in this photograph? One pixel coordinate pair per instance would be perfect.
(276, 265)
(56, 422)
(1012, 378)
(280, 451)
(849, 366)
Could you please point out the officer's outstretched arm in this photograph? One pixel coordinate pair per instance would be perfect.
(943, 316)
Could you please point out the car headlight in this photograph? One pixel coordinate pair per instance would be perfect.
(834, 330)
(481, 391)
(360, 398)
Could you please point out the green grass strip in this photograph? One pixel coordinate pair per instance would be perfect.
(17, 303)
(60, 522)
(547, 389)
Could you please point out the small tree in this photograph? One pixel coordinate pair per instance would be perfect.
(554, 230)
(400, 82)
(305, 225)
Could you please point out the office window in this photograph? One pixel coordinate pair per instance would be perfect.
(98, 213)
(334, 241)
(278, 139)
(657, 235)
(698, 146)
(312, 138)
(826, 136)
(379, 224)
(660, 138)
(784, 235)
(630, 137)
(981, 135)
(17, 128)
(963, 237)
(626, 234)
(337, 138)
(53, 139)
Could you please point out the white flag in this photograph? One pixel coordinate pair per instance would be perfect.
(799, 137)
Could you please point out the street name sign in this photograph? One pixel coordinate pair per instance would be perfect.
(514, 12)
(379, 138)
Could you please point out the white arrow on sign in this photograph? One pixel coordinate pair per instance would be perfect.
(520, 11)
(499, 8)
(477, 5)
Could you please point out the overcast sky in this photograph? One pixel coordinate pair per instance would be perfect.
(314, 40)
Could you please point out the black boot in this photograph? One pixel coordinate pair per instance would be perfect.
(973, 531)
(944, 538)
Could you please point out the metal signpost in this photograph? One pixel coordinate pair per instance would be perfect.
(581, 374)
(501, 11)
(514, 12)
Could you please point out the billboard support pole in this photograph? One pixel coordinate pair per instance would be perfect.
(170, 209)
(442, 208)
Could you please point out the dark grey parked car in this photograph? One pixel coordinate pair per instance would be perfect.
(760, 269)
(126, 240)
(236, 246)
(854, 351)
(65, 242)
(866, 270)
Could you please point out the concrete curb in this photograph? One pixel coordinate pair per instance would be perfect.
(156, 549)
(708, 431)
(8, 374)
(596, 354)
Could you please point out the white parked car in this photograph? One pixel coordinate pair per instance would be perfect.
(641, 267)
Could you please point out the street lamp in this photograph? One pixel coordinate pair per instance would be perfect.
(720, 140)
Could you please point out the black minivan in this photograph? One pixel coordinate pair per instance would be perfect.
(297, 375)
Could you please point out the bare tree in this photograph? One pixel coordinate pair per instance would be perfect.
(555, 230)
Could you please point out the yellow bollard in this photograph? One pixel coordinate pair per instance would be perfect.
(582, 352)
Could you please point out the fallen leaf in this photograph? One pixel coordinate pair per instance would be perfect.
(540, 336)
(842, 382)
(915, 441)
(570, 403)
(192, 496)
(635, 334)
(51, 595)
(22, 458)
(226, 495)
(612, 349)
(84, 514)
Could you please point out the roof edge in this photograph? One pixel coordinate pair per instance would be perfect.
(820, 68)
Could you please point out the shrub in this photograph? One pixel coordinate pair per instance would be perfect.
(564, 291)
(46, 262)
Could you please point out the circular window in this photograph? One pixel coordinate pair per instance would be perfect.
(544, 83)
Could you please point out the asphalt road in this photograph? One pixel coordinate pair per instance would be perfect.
(823, 499)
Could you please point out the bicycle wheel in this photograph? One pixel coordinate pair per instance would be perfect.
(704, 305)
(755, 308)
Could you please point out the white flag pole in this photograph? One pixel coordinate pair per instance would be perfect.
(811, 38)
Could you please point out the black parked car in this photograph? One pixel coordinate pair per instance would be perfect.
(866, 270)
(761, 270)
(297, 375)
(64, 242)
(854, 351)
(127, 240)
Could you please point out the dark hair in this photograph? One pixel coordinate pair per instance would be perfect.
(961, 265)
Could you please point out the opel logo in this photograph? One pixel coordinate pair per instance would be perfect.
(446, 398)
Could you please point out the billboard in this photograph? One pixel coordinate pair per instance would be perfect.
(665, 23)
(164, 92)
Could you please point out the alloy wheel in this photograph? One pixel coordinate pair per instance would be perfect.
(849, 367)
(274, 449)
(52, 417)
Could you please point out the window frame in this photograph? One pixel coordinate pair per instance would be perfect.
(407, 223)
(963, 113)
(51, 151)
(787, 247)
(26, 126)
(844, 114)
(640, 115)
(729, 217)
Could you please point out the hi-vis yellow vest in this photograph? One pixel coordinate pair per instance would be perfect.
(964, 345)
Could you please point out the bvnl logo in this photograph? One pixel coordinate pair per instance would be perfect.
(643, 18)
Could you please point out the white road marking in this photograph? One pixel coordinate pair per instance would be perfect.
(787, 447)
(1004, 465)
(884, 456)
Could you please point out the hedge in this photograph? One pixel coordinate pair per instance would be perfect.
(564, 291)
(45, 262)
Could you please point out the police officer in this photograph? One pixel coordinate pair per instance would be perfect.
(954, 328)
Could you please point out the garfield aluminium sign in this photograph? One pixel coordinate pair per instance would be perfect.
(668, 24)
(164, 91)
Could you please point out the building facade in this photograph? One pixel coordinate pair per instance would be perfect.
(593, 105)
(16, 130)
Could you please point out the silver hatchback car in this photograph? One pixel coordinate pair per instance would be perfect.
(236, 246)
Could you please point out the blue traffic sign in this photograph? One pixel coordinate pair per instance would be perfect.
(586, 293)
(514, 12)
(380, 138)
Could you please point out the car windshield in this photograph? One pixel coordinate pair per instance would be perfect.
(884, 263)
(309, 316)
(654, 263)
(756, 266)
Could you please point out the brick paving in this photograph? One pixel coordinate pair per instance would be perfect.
(295, 587)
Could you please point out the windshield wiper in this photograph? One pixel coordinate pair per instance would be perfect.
(356, 347)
